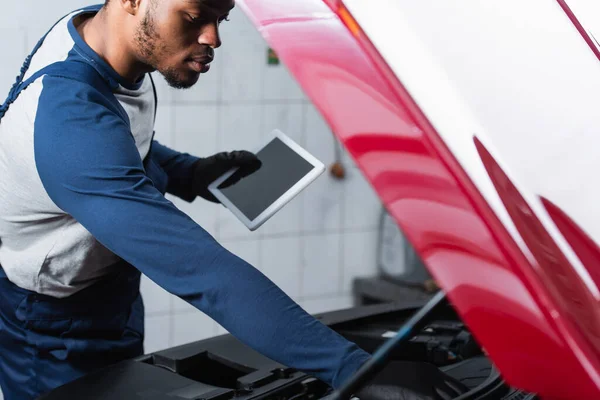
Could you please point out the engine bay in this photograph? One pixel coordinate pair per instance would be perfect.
(222, 368)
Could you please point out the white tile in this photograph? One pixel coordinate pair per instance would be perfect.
(241, 127)
(195, 129)
(362, 207)
(157, 333)
(320, 141)
(192, 326)
(279, 84)
(322, 305)
(360, 257)
(287, 117)
(247, 250)
(288, 220)
(239, 25)
(163, 127)
(207, 89)
(244, 55)
(322, 205)
(322, 199)
(281, 262)
(11, 16)
(40, 16)
(156, 299)
(13, 56)
(321, 272)
(347, 159)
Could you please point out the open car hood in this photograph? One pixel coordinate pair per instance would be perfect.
(479, 132)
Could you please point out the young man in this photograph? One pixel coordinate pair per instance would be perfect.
(83, 212)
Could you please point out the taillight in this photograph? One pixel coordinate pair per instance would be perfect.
(348, 20)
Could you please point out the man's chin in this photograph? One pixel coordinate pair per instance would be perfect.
(177, 82)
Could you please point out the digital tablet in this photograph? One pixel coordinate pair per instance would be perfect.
(286, 170)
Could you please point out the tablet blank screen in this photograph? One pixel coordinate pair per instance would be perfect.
(281, 169)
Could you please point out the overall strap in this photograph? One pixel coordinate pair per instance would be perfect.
(14, 90)
(21, 85)
(75, 70)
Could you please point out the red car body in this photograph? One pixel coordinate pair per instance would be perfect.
(532, 310)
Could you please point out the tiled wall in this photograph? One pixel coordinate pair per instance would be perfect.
(315, 246)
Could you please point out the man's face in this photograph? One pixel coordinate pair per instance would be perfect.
(178, 37)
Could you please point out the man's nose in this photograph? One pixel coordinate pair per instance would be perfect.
(209, 36)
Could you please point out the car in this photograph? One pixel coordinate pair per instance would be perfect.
(477, 125)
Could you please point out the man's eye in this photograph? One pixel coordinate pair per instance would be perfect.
(202, 21)
(196, 20)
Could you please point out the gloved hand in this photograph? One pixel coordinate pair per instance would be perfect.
(207, 170)
(406, 380)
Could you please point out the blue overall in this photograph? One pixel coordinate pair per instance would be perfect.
(46, 342)
(88, 163)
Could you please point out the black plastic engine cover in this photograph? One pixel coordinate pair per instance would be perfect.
(223, 368)
(213, 369)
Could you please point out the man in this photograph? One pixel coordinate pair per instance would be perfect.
(83, 212)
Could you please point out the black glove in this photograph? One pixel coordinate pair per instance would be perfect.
(207, 170)
(405, 380)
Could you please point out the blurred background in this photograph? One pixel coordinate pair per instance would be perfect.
(317, 246)
(330, 248)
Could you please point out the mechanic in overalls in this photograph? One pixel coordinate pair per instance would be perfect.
(83, 212)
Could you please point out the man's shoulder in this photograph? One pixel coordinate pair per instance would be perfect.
(74, 73)
(76, 89)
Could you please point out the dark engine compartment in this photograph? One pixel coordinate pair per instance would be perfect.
(223, 368)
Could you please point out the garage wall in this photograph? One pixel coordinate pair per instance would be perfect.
(315, 246)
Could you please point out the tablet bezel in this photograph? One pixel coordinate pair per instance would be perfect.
(252, 225)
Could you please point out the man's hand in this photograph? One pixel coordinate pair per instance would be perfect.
(207, 170)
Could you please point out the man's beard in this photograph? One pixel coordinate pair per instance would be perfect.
(149, 50)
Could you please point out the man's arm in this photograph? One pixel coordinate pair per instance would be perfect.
(100, 181)
(179, 168)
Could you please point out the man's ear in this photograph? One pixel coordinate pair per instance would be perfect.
(131, 6)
